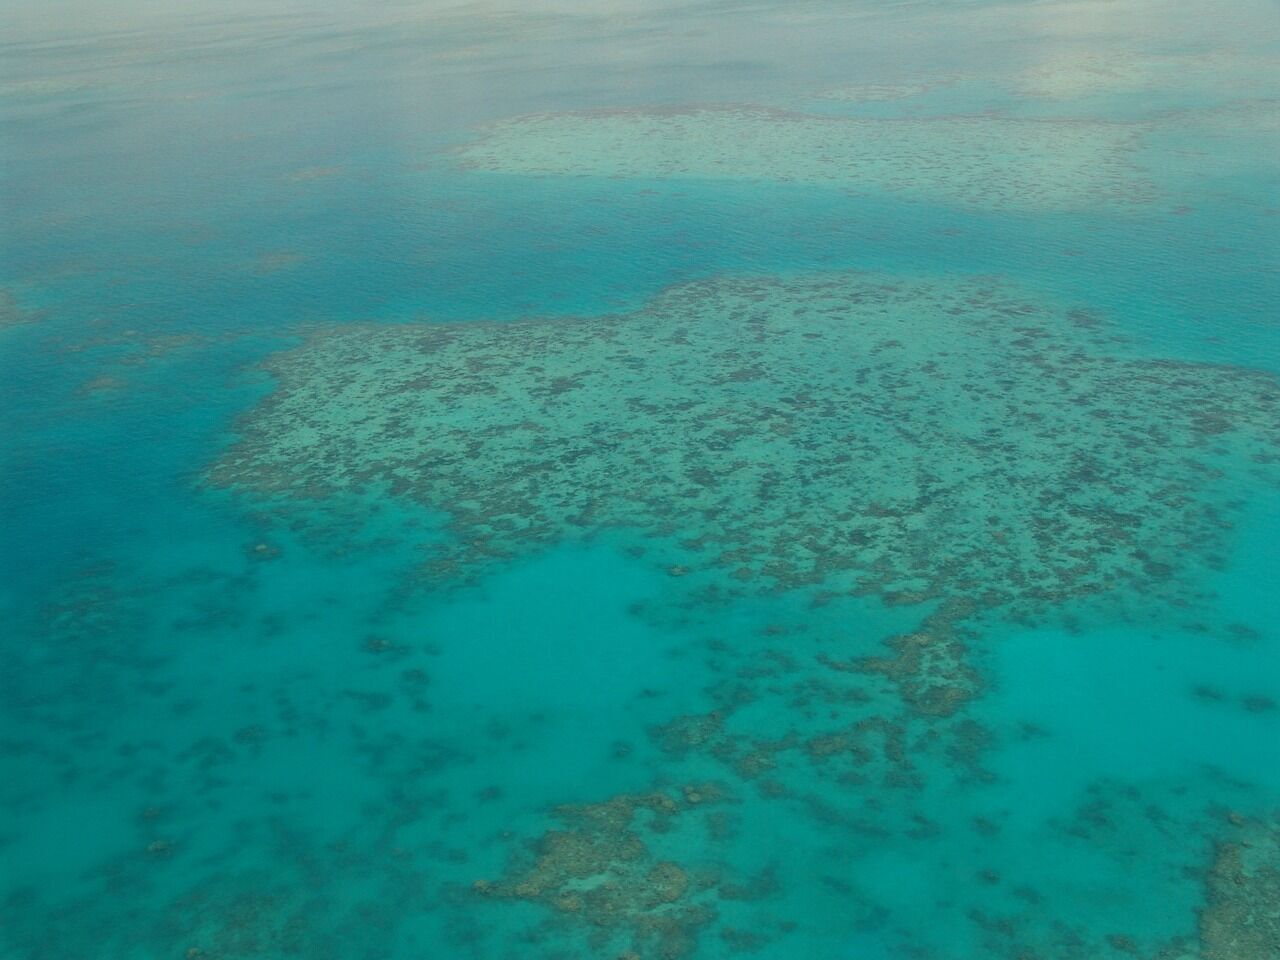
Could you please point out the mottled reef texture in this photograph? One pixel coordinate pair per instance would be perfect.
(986, 162)
(1241, 920)
(602, 868)
(959, 450)
(958, 443)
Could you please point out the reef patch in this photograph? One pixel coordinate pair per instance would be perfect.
(984, 162)
(954, 446)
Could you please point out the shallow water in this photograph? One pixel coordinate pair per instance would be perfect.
(640, 480)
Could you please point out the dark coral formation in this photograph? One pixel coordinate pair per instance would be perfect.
(1241, 918)
(602, 869)
(950, 443)
(945, 454)
(928, 665)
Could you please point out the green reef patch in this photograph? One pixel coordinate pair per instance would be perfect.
(958, 445)
(983, 162)
(897, 472)
(602, 869)
(1241, 920)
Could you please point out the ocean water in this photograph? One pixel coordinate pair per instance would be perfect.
(643, 481)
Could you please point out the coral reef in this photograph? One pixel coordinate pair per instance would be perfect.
(602, 870)
(1241, 918)
(955, 446)
(949, 454)
(985, 162)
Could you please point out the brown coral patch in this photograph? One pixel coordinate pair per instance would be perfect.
(604, 869)
(1241, 918)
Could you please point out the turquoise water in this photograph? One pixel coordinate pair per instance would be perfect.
(640, 480)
